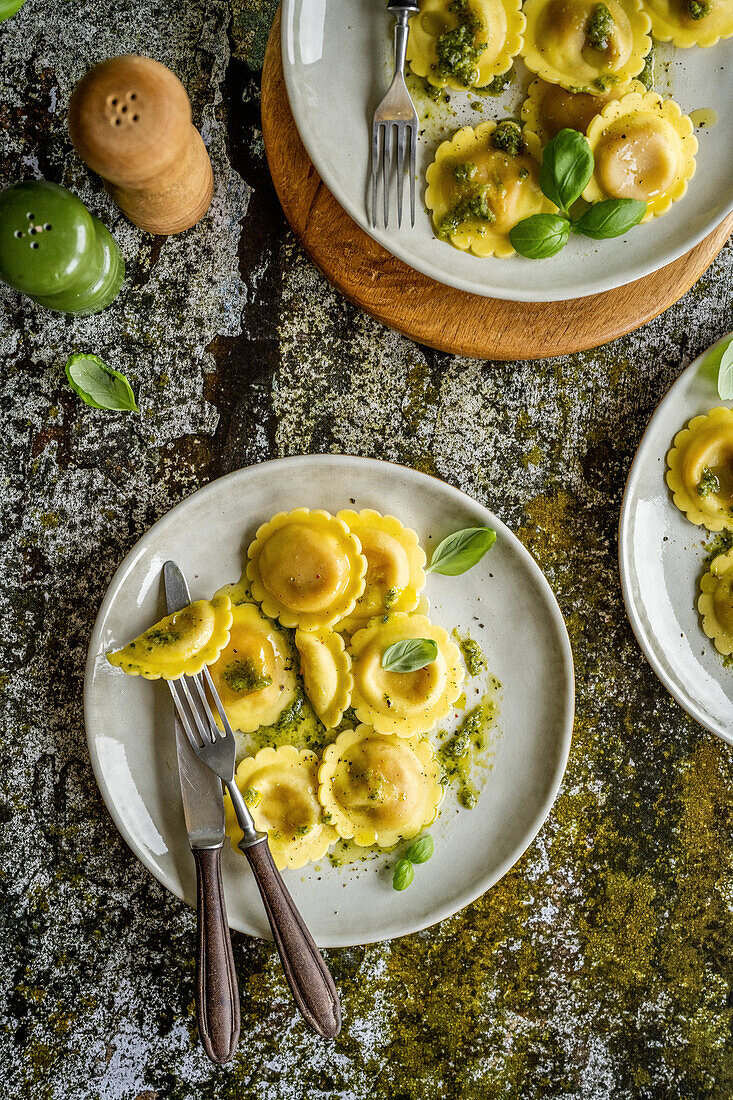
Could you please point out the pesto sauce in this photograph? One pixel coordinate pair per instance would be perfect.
(646, 76)
(697, 9)
(472, 653)
(600, 27)
(159, 638)
(459, 753)
(458, 50)
(708, 483)
(473, 207)
(508, 138)
(243, 677)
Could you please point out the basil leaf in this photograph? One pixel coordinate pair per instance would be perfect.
(421, 850)
(98, 385)
(409, 655)
(403, 874)
(540, 236)
(567, 165)
(610, 218)
(462, 550)
(725, 374)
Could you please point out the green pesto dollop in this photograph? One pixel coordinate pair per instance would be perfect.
(472, 653)
(508, 138)
(458, 753)
(697, 9)
(459, 50)
(708, 483)
(603, 83)
(297, 725)
(471, 208)
(156, 638)
(243, 677)
(464, 172)
(600, 27)
(498, 84)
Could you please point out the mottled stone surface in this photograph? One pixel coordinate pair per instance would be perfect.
(601, 965)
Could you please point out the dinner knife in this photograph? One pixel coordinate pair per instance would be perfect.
(217, 991)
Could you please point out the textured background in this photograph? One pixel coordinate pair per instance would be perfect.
(601, 965)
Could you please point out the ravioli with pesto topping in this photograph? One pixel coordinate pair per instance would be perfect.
(716, 602)
(644, 148)
(481, 183)
(550, 108)
(690, 22)
(254, 675)
(464, 44)
(280, 787)
(395, 573)
(326, 670)
(700, 470)
(379, 789)
(403, 702)
(586, 46)
(181, 644)
(306, 569)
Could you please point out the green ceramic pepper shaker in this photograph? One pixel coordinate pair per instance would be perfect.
(9, 7)
(55, 251)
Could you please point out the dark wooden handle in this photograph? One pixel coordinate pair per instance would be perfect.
(307, 974)
(217, 993)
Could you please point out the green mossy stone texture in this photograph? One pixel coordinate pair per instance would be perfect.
(600, 967)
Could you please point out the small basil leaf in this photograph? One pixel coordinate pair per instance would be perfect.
(610, 218)
(725, 374)
(421, 850)
(98, 385)
(409, 655)
(462, 550)
(540, 236)
(567, 165)
(403, 874)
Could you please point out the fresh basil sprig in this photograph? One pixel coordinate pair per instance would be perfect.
(421, 850)
(403, 874)
(462, 550)
(98, 385)
(725, 374)
(409, 655)
(567, 166)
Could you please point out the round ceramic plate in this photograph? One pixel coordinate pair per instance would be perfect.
(337, 57)
(662, 557)
(130, 726)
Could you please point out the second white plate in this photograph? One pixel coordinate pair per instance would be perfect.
(337, 62)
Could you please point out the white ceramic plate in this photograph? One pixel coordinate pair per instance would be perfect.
(662, 555)
(129, 720)
(337, 61)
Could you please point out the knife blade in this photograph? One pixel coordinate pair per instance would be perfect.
(201, 793)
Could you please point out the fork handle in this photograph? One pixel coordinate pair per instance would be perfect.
(307, 974)
(217, 992)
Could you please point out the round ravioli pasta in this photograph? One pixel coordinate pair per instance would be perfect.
(584, 45)
(379, 788)
(306, 569)
(326, 670)
(690, 22)
(395, 573)
(644, 148)
(179, 645)
(254, 675)
(478, 191)
(464, 43)
(716, 602)
(280, 787)
(403, 702)
(550, 108)
(700, 470)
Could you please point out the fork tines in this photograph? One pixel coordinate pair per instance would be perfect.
(194, 710)
(382, 151)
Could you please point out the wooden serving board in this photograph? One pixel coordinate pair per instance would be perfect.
(430, 312)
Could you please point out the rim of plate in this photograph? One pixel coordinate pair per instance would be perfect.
(625, 555)
(357, 212)
(566, 705)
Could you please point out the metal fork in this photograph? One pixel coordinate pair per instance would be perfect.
(309, 979)
(396, 111)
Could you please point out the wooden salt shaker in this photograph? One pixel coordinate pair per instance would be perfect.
(130, 122)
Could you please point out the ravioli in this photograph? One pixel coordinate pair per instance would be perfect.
(280, 787)
(549, 108)
(395, 573)
(306, 569)
(254, 675)
(181, 644)
(379, 789)
(464, 43)
(326, 670)
(700, 470)
(477, 191)
(690, 22)
(644, 148)
(403, 702)
(584, 45)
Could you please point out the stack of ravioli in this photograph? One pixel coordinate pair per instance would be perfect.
(321, 600)
(589, 58)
